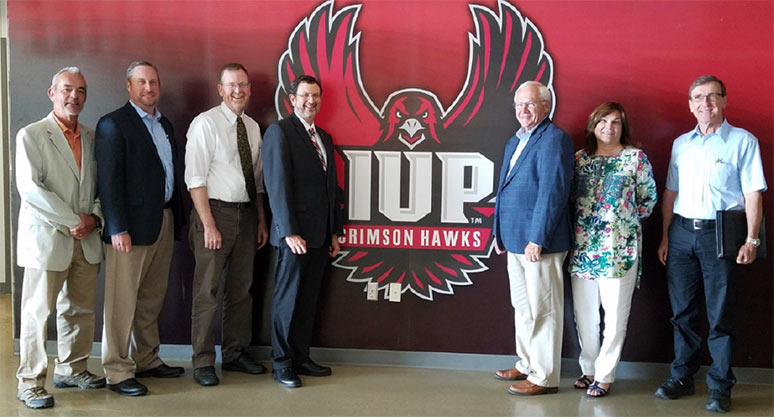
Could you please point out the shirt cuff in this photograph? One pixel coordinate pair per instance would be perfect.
(196, 182)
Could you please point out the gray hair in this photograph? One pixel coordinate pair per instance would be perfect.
(71, 70)
(542, 89)
(135, 64)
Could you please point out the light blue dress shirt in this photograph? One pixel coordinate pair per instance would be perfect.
(713, 172)
(523, 136)
(163, 147)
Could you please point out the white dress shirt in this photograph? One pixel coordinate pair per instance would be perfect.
(212, 155)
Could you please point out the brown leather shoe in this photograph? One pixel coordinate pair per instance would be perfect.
(512, 374)
(527, 388)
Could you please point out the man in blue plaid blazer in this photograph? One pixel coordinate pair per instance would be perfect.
(532, 224)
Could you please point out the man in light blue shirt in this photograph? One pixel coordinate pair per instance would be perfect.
(163, 147)
(713, 167)
(143, 211)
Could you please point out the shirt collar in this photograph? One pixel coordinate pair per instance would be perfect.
(66, 129)
(523, 134)
(307, 126)
(231, 117)
(144, 115)
(722, 131)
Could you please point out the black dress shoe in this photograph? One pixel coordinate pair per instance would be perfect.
(161, 371)
(312, 369)
(674, 388)
(718, 401)
(286, 377)
(244, 363)
(206, 376)
(130, 387)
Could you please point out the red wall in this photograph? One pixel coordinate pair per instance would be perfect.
(643, 54)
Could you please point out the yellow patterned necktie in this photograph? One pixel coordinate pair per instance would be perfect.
(246, 159)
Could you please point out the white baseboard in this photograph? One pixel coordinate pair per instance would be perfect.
(444, 360)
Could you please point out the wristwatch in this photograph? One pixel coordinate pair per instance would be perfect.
(753, 241)
(99, 222)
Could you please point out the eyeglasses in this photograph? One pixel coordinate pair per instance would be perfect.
(233, 86)
(713, 97)
(528, 104)
(308, 95)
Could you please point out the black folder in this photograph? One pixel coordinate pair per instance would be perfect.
(731, 234)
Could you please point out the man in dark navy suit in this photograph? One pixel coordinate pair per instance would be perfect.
(300, 175)
(532, 224)
(136, 158)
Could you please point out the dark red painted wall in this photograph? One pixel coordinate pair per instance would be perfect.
(643, 54)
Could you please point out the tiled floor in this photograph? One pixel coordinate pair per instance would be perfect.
(360, 391)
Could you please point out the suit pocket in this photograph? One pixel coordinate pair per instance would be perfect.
(36, 241)
(195, 230)
(196, 222)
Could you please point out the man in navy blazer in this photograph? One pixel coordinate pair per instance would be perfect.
(532, 224)
(136, 158)
(300, 174)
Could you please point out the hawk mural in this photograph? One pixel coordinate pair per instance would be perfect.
(417, 176)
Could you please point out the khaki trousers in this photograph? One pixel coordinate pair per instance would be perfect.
(537, 296)
(135, 286)
(72, 291)
(232, 265)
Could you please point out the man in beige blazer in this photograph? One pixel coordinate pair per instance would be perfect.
(58, 242)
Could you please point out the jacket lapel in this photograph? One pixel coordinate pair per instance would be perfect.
(327, 140)
(56, 137)
(139, 125)
(167, 125)
(533, 140)
(302, 133)
(304, 136)
(87, 152)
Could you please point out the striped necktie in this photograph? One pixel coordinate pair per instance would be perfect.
(318, 149)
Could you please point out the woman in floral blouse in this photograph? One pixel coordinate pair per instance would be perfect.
(613, 190)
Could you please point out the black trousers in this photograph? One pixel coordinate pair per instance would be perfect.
(298, 279)
(692, 265)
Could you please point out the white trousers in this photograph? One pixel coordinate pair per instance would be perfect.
(537, 296)
(615, 297)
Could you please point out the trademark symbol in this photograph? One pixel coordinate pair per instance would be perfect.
(476, 220)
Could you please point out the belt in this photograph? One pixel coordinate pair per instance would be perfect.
(229, 204)
(695, 224)
(168, 204)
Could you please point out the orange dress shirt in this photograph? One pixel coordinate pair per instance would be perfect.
(73, 139)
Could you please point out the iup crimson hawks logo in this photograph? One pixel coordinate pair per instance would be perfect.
(417, 176)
